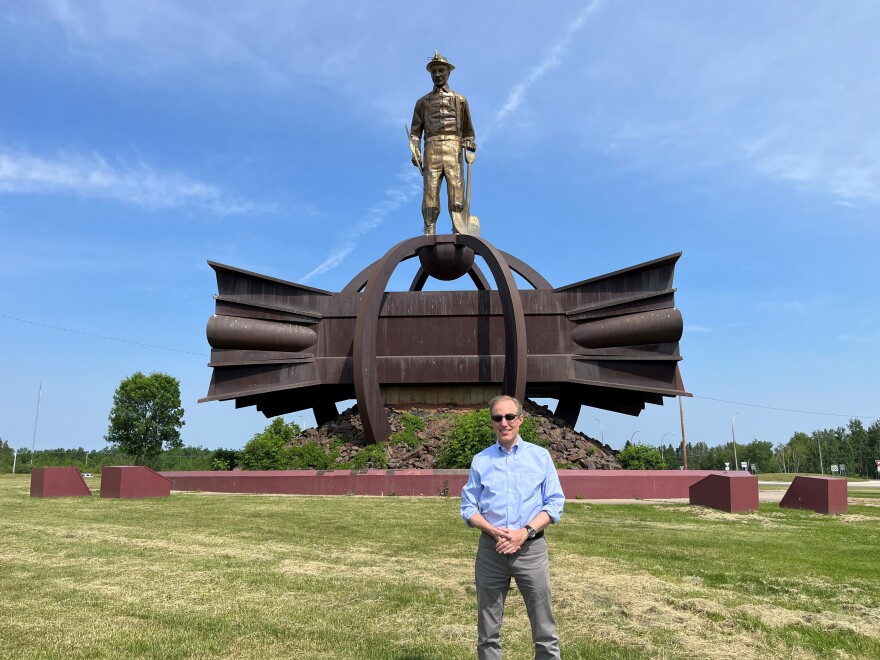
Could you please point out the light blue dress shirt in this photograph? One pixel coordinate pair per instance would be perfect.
(510, 489)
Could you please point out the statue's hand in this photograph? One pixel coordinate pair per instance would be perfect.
(470, 151)
(457, 208)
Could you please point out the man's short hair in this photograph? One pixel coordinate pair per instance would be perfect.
(505, 397)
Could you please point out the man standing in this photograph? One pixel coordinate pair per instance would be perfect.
(445, 119)
(511, 495)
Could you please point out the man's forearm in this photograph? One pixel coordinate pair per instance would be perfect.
(540, 521)
(478, 521)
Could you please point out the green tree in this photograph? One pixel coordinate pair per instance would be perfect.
(640, 457)
(759, 453)
(5, 456)
(146, 415)
(267, 450)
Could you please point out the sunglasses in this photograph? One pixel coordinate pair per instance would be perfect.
(509, 417)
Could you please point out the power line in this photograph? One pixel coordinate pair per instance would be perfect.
(92, 334)
(804, 412)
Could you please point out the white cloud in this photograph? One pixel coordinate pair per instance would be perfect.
(372, 218)
(93, 176)
(785, 95)
(796, 306)
(698, 328)
(555, 55)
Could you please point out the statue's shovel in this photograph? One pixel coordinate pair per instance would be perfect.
(473, 222)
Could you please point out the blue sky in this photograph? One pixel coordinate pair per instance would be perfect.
(138, 140)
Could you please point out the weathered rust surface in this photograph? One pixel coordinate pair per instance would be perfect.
(609, 342)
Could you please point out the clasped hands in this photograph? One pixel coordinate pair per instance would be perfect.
(508, 541)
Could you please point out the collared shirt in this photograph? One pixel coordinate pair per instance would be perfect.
(510, 489)
(442, 112)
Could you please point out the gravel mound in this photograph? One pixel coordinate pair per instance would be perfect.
(567, 446)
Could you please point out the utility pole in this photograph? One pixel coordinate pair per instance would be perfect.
(36, 419)
(601, 430)
(684, 447)
(733, 435)
(662, 445)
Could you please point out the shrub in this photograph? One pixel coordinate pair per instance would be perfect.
(472, 433)
(411, 425)
(371, 456)
(230, 458)
(312, 456)
(640, 457)
(266, 450)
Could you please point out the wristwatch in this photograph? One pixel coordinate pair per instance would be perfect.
(530, 531)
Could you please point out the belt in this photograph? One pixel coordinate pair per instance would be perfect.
(443, 137)
(539, 535)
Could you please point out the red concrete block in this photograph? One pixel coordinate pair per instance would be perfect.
(733, 492)
(821, 494)
(133, 482)
(58, 482)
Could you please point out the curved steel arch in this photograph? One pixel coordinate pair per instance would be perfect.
(474, 273)
(529, 274)
(365, 364)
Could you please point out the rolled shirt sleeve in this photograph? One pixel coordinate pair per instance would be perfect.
(554, 498)
(470, 496)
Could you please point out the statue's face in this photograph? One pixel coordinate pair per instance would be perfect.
(440, 74)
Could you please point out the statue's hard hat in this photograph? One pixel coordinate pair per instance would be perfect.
(439, 59)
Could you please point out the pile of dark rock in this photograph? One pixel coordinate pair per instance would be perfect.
(569, 448)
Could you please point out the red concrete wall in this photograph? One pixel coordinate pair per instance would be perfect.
(58, 482)
(629, 484)
(318, 482)
(133, 482)
(821, 494)
(734, 492)
(586, 484)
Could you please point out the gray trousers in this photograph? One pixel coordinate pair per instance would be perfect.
(531, 570)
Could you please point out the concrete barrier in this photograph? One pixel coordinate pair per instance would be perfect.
(58, 482)
(734, 492)
(821, 494)
(133, 482)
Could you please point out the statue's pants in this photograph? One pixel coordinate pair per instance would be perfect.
(442, 160)
(531, 570)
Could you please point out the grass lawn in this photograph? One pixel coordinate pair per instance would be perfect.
(239, 576)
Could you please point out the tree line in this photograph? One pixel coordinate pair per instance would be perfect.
(146, 417)
(853, 446)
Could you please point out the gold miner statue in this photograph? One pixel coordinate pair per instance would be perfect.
(445, 119)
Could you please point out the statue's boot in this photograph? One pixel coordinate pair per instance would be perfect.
(430, 216)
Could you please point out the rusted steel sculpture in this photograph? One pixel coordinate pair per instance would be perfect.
(609, 342)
